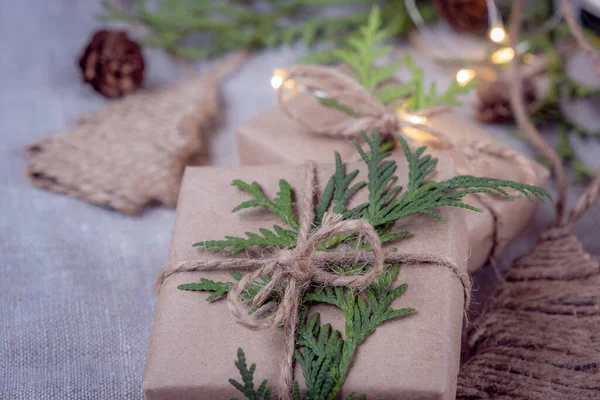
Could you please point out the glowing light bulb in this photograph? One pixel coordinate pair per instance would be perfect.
(528, 58)
(276, 81)
(497, 34)
(415, 119)
(464, 76)
(289, 84)
(277, 78)
(503, 55)
(415, 133)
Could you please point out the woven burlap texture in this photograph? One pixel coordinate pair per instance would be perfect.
(539, 336)
(132, 152)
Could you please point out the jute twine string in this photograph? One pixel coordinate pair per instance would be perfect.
(374, 116)
(538, 336)
(302, 266)
(577, 32)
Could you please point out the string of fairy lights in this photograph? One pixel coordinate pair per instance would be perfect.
(496, 34)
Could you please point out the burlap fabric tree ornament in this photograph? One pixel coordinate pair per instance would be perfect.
(539, 336)
(132, 153)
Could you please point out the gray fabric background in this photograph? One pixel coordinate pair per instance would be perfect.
(76, 293)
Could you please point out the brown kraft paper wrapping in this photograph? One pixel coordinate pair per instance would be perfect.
(273, 138)
(194, 343)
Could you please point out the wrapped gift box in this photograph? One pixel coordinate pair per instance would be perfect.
(193, 343)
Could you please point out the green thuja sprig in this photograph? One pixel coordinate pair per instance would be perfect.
(365, 49)
(322, 353)
(201, 29)
(338, 191)
(324, 356)
(217, 289)
(319, 354)
(220, 289)
(388, 202)
(421, 98)
(263, 392)
(362, 53)
(281, 206)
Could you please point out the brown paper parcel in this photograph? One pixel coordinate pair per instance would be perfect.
(273, 138)
(193, 343)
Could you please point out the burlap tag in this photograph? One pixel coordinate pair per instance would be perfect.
(131, 153)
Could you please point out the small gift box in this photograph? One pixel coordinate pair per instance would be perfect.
(273, 137)
(194, 343)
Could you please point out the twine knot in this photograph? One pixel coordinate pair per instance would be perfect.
(296, 269)
(389, 123)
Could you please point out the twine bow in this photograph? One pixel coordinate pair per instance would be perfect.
(375, 116)
(302, 266)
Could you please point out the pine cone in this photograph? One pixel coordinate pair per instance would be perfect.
(112, 63)
(494, 100)
(464, 15)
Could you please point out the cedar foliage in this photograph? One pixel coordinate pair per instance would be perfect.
(386, 203)
(198, 29)
(247, 374)
(362, 54)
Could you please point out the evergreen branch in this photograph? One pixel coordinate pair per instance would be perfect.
(218, 289)
(333, 103)
(263, 392)
(319, 356)
(201, 29)
(380, 186)
(419, 166)
(388, 237)
(338, 192)
(280, 206)
(361, 55)
(221, 289)
(381, 177)
(325, 357)
(365, 49)
(343, 191)
(391, 92)
(422, 99)
(324, 201)
(425, 197)
(279, 237)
